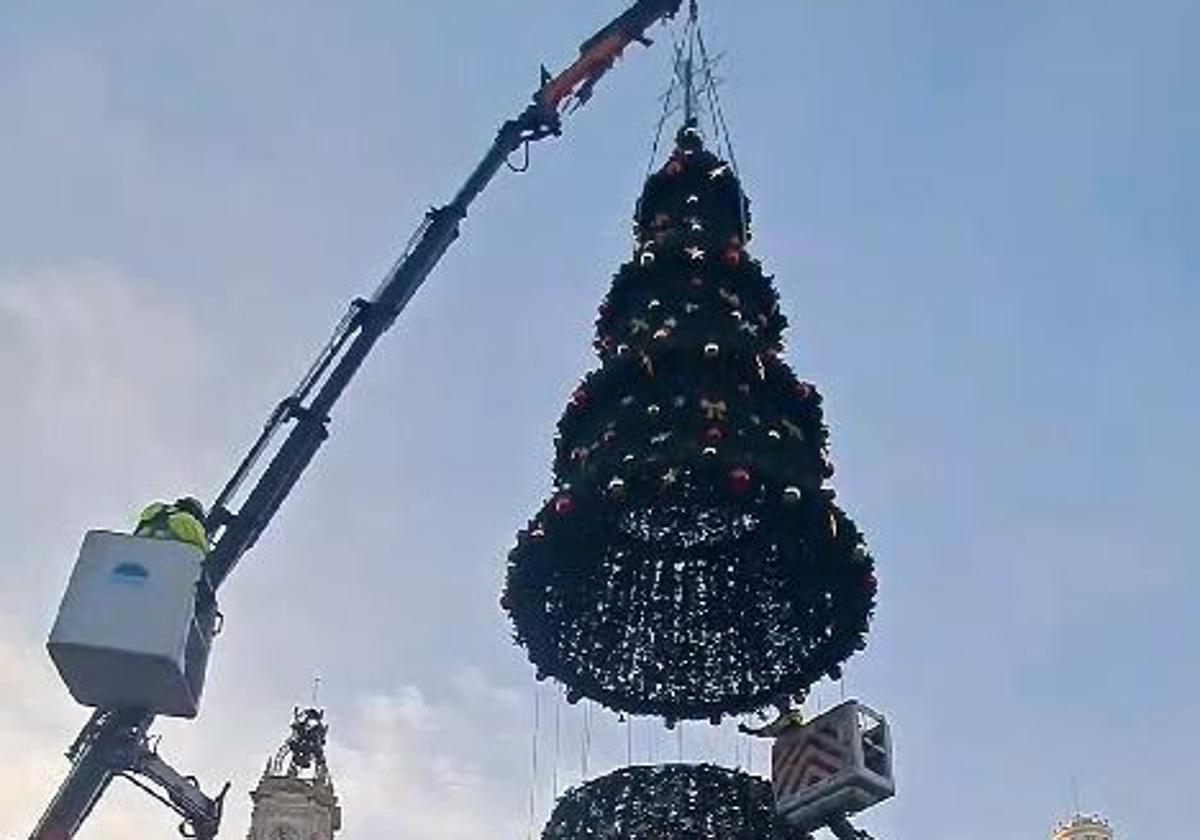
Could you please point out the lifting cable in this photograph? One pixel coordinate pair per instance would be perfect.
(668, 100)
(533, 775)
(683, 83)
(585, 745)
(628, 740)
(557, 742)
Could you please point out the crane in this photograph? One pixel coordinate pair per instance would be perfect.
(115, 742)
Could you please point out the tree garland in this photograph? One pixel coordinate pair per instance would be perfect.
(669, 802)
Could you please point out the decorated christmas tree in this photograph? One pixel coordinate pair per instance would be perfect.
(691, 561)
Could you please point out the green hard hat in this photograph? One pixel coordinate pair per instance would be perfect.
(192, 505)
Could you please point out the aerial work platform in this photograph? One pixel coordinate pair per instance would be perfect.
(126, 635)
(837, 764)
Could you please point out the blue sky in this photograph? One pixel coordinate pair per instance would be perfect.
(981, 219)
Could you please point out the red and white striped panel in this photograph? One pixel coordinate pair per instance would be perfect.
(808, 755)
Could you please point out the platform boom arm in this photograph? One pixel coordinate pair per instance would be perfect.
(110, 734)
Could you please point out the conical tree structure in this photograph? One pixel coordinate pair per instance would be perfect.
(675, 801)
(690, 562)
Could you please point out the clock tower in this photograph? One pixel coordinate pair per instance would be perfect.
(294, 799)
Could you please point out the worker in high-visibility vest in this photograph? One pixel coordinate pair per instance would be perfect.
(182, 521)
(789, 716)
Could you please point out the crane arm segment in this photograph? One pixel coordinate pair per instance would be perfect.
(598, 54)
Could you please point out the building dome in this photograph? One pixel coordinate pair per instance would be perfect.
(1080, 827)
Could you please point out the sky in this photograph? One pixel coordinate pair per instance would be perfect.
(981, 218)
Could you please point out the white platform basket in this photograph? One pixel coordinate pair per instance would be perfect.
(126, 634)
(836, 764)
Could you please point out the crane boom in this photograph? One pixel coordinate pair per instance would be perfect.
(104, 747)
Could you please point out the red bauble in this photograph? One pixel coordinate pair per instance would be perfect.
(674, 167)
(712, 434)
(564, 504)
(871, 584)
(733, 257)
(739, 480)
(579, 398)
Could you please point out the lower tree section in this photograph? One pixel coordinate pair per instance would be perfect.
(669, 802)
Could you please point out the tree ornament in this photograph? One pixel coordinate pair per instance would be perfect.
(653, 409)
(712, 350)
(740, 480)
(870, 584)
(712, 435)
(713, 409)
(792, 494)
(579, 398)
(695, 253)
(733, 257)
(564, 505)
(616, 488)
(647, 257)
(792, 429)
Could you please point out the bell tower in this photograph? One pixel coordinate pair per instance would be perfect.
(295, 799)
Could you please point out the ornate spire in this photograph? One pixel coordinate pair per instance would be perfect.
(303, 753)
(295, 799)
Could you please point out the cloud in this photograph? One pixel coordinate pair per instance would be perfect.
(98, 370)
(411, 768)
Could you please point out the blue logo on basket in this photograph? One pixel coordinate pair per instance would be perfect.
(131, 573)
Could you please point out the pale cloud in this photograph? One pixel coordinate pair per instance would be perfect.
(411, 768)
